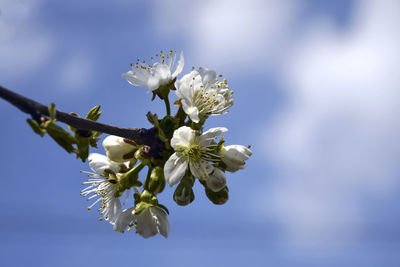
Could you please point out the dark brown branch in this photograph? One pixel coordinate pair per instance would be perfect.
(141, 136)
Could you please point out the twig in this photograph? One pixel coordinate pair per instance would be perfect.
(141, 136)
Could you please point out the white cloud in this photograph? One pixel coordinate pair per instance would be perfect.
(24, 46)
(75, 73)
(235, 34)
(335, 143)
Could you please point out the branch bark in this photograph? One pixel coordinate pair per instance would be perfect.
(37, 110)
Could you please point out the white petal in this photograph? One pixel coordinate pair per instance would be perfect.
(127, 194)
(139, 75)
(234, 156)
(217, 180)
(192, 112)
(182, 137)
(185, 86)
(208, 76)
(153, 83)
(116, 148)
(174, 169)
(162, 73)
(124, 220)
(146, 225)
(201, 170)
(211, 134)
(113, 210)
(179, 67)
(162, 220)
(98, 163)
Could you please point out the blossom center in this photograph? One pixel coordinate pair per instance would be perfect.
(193, 152)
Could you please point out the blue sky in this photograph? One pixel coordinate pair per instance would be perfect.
(316, 95)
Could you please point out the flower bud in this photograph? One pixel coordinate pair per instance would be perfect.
(157, 181)
(184, 194)
(234, 157)
(218, 198)
(216, 181)
(119, 149)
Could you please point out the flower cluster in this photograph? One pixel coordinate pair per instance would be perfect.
(187, 152)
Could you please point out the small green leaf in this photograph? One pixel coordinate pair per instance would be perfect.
(61, 136)
(168, 125)
(36, 127)
(52, 111)
(83, 147)
(94, 113)
(153, 119)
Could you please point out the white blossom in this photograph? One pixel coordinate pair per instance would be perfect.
(148, 222)
(234, 157)
(117, 147)
(101, 188)
(158, 73)
(202, 95)
(192, 151)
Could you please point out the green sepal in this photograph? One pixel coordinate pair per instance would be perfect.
(61, 136)
(164, 208)
(36, 127)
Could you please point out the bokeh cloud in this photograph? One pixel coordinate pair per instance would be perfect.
(229, 34)
(335, 141)
(24, 44)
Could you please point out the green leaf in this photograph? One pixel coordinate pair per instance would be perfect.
(94, 138)
(83, 147)
(168, 125)
(36, 127)
(94, 113)
(52, 111)
(61, 136)
(153, 119)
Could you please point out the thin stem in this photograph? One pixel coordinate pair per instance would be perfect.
(167, 105)
(147, 181)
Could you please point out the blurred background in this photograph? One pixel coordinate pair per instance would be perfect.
(317, 95)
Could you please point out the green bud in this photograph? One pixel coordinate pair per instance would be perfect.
(218, 198)
(157, 181)
(184, 194)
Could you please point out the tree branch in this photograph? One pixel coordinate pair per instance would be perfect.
(141, 136)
